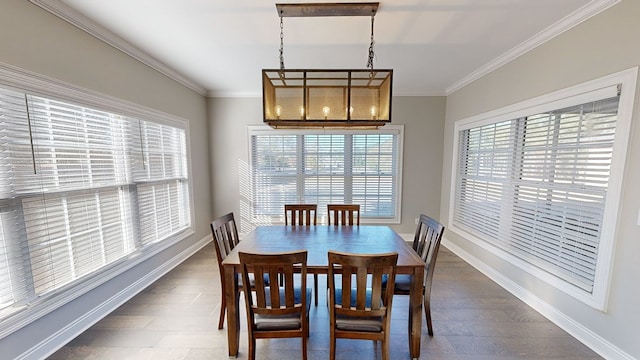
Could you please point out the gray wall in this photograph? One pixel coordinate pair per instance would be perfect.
(600, 46)
(422, 118)
(34, 40)
(605, 44)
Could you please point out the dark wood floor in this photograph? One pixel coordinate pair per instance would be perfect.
(473, 318)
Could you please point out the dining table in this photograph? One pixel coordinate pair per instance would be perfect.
(318, 240)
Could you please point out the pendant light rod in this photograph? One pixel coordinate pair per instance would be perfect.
(327, 9)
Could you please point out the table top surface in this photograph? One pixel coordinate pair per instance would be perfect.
(318, 240)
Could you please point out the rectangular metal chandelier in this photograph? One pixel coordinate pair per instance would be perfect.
(319, 98)
(312, 98)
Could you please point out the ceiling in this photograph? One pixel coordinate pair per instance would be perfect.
(218, 47)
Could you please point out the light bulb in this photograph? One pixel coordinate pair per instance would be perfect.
(325, 111)
(301, 110)
(278, 111)
(374, 112)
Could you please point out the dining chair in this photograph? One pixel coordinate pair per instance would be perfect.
(300, 214)
(279, 309)
(303, 214)
(225, 238)
(360, 308)
(426, 243)
(343, 214)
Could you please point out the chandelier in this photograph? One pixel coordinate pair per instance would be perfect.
(318, 98)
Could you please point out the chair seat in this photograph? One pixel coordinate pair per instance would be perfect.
(283, 322)
(252, 280)
(365, 324)
(403, 282)
(349, 323)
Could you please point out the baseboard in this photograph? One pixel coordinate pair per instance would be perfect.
(52, 343)
(598, 344)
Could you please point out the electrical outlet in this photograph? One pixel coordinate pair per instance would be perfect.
(418, 219)
(638, 217)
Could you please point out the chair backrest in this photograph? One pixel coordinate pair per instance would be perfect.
(366, 298)
(427, 244)
(225, 236)
(278, 297)
(300, 214)
(343, 214)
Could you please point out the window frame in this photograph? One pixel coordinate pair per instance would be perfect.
(626, 80)
(398, 130)
(38, 85)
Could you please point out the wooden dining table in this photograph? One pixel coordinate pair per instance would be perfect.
(318, 241)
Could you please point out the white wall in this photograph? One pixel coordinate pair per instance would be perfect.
(38, 42)
(605, 44)
(422, 118)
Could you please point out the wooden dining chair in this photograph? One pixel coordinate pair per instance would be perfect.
(359, 308)
(225, 238)
(300, 214)
(279, 309)
(303, 214)
(426, 243)
(343, 214)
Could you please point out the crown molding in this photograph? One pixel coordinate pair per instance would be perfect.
(233, 94)
(89, 26)
(584, 13)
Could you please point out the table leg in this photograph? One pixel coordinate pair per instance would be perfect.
(415, 312)
(233, 313)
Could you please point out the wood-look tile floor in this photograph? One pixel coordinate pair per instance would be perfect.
(176, 319)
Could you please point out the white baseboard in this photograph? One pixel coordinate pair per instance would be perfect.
(52, 343)
(598, 344)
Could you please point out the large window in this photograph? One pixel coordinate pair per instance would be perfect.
(81, 189)
(539, 183)
(331, 166)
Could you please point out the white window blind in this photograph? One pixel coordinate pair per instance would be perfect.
(78, 187)
(360, 167)
(536, 186)
(162, 182)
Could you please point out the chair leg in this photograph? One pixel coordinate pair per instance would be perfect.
(332, 346)
(252, 348)
(385, 346)
(427, 315)
(304, 347)
(315, 288)
(223, 308)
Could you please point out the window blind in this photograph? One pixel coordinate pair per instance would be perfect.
(375, 173)
(328, 176)
(162, 180)
(536, 186)
(77, 189)
(275, 168)
(323, 168)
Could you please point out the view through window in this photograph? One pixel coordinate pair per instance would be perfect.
(342, 167)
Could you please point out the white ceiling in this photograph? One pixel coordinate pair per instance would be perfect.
(218, 47)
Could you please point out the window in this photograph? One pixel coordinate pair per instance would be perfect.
(327, 166)
(81, 189)
(538, 184)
